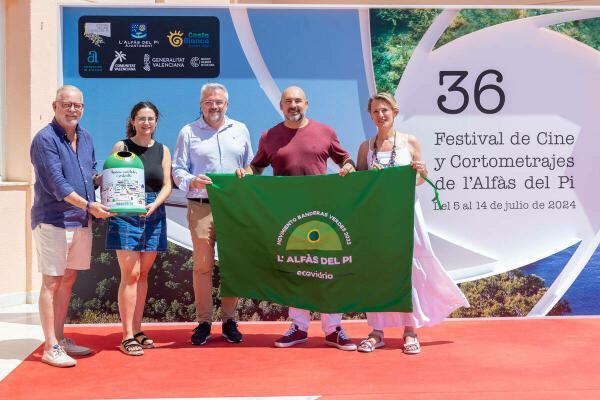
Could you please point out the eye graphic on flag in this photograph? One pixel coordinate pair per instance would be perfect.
(314, 235)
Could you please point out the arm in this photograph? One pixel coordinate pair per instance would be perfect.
(182, 165)
(260, 158)
(417, 163)
(347, 166)
(340, 156)
(165, 191)
(98, 210)
(361, 158)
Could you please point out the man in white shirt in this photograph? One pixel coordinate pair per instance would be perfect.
(213, 143)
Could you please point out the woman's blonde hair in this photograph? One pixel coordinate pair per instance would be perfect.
(385, 96)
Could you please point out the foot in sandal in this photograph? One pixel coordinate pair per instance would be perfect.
(411, 343)
(131, 347)
(144, 340)
(374, 341)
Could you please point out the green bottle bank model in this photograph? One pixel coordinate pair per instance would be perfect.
(123, 189)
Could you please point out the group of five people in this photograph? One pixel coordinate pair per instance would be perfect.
(64, 162)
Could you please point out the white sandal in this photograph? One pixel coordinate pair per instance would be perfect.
(367, 345)
(415, 344)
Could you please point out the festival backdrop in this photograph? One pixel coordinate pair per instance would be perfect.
(503, 101)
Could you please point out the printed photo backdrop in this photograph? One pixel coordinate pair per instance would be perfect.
(503, 101)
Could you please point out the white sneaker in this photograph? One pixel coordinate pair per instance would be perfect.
(72, 349)
(57, 357)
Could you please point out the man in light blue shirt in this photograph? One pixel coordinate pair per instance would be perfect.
(213, 143)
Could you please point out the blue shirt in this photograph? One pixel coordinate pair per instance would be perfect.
(202, 149)
(59, 170)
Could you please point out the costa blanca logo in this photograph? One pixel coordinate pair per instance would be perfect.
(314, 240)
(175, 38)
(195, 62)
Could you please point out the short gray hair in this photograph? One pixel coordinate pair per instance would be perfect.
(214, 86)
(67, 87)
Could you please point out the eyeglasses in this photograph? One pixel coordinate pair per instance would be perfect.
(150, 120)
(210, 103)
(67, 106)
(289, 102)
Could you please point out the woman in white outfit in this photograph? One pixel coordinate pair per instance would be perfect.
(434, 293)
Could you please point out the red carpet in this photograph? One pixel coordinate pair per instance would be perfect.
(478, 359)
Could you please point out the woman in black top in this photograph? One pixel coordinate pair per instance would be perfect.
(137, 239)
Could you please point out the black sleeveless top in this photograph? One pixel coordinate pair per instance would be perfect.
(152, 158)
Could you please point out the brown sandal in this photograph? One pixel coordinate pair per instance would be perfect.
(131, 347)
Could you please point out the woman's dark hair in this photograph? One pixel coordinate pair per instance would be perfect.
(141, 105)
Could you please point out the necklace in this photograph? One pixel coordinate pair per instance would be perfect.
(393, 155)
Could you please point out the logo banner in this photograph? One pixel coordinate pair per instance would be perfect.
(149, 47)
(324, 243)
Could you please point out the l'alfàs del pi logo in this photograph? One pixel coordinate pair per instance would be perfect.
(318, 232)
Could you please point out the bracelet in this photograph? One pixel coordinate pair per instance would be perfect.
(87, 206)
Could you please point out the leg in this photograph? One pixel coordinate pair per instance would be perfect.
(61, 301)
(129, 262)
(48, 291)
(298, 331)
(335, 335)
(329, 322)
(146, 262)
(202, 230)
(204, 254)
(300, 318)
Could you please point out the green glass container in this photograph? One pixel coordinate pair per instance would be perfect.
(123, 184)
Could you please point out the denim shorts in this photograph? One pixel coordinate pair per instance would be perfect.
(139, 233)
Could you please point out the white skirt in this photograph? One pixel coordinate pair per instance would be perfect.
(434, 293)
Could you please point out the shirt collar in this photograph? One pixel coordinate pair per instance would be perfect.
(60, 131)
(204, 125)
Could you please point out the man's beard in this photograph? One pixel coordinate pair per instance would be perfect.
(214, 116)
(294, 117)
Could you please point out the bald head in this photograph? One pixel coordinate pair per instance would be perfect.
(293, 104)
(293, 92)
(65, 90)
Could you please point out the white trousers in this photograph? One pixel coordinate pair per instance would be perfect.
(302, 319)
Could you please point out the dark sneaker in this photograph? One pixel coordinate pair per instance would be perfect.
(340, 340)
(292, 336)
(201, 333)
(231, 332)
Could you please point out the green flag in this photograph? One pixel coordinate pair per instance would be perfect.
(325, 243)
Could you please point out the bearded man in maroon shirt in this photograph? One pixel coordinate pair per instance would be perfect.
(295, 147)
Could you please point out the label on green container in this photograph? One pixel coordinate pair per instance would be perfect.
(123, 188)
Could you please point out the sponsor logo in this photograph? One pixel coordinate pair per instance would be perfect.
(137, 43)
(119, 65)
(175, 38)
(138, 30)
(95, 31)
(195, 62)
(197, 39)
(147, 62)
(92, 57)
(312, 241)
(168, 62)
(191, 39)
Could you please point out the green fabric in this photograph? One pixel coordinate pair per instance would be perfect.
(354, 254)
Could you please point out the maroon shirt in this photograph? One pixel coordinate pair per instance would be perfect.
(294, 152)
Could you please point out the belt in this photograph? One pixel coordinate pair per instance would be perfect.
(200, 200)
